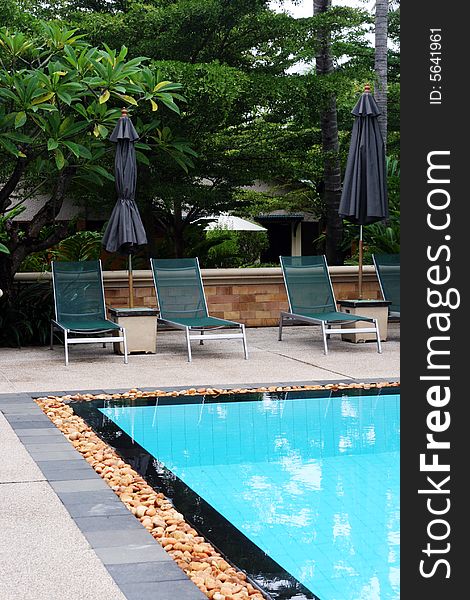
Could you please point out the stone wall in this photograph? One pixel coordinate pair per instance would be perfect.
(252, 296)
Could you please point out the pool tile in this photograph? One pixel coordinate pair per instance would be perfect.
(314, 473)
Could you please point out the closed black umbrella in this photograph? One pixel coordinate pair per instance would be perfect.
(364, 196)
(125, 231)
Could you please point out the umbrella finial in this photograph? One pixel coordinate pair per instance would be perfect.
(367, 88)
(123, 111)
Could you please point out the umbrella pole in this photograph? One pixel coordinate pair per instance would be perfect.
(360, 262)
(131, 283)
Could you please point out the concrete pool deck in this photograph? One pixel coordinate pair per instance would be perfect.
(65, 535)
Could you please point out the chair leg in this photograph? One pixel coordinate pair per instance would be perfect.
(66, 347)
(379, 344)
(325, 345)
(245, 348)
(188, 344)
(124, 343)
(201, 341)
(51, 345)
(281, 320)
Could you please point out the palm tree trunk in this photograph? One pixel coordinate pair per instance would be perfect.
(330, 146)
(380, 93)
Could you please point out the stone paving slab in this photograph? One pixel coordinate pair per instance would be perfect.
(126, 573)
(41, 548)
(107, 523)
(163, 590)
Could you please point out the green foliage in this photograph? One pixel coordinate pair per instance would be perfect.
(83, 245)
(58, 94)
(26, 316)
(250, 114)
(235, 248)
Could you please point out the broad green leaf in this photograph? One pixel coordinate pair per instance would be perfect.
(52, 144)
(101, 171)
(20, 119)
(16, 136)
(104, 97)
(129, 99)
(4, 249)
(161, 85)
(103, 131)
(171, 105)
(81, 110)
(141, 158)
(9, 146)
(67, 98)
(79, 150)
(59, 159)
(43, 98)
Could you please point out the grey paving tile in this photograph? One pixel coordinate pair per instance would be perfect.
(103, 495)
(163, 590)
(23, 398)
(47, 445)
(54, 393)
(122, 537)
(129, 553)
(84, 485)
(27, 423)
(40, 417)
(43, 432)
(146, 572)
(67, 454)
(108, 523)
(62, 470)
(90, 509)
(51, 437)
(15, 408)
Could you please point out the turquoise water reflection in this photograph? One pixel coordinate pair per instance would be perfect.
(313, 482)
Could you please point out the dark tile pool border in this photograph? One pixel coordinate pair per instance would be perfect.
(140, 570)
(135, 560)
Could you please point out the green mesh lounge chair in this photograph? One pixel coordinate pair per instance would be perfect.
(387, 267)
(79, 306)
(311, 299)
(183, 305)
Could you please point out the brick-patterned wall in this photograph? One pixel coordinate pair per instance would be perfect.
(256, 303)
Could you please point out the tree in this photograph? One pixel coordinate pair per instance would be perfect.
(59, 101)
(330, 144)
(249, 116)
(381, 52)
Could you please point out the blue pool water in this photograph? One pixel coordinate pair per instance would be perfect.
(313, 482)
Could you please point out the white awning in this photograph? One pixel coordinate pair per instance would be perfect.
(231, 223)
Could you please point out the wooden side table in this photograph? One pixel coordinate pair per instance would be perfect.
(141, 329)
(376, 309)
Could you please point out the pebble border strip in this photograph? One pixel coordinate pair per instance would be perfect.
(212, 574)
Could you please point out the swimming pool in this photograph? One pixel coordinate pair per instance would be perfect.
(310, 481)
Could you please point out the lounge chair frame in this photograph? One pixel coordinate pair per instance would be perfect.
(195, 332)
(381, 275)
(329, 325)
(57, 326)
